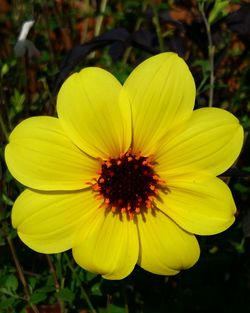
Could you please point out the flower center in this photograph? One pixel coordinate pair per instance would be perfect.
(128, 184)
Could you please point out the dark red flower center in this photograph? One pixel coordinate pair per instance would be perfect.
(128, 184)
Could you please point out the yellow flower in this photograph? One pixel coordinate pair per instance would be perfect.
(126, 174)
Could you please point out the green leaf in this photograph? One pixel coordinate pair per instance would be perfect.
(37, 297)
(239, 246)
(90, 276)
(66, 295)
(96, 291)
(17, 101)
(218, 11)
(112, 309)
(116, 309)
(11, 283)
(7, 200)
(6, 303)
(47, 289)
(32, 282)
(5, 69)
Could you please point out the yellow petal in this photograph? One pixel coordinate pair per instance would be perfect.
(165, 248)
(95, 113)
(41, 156)
(110, 247)
(200, 207)
(162, 92)
(47, 222)
(211, 142)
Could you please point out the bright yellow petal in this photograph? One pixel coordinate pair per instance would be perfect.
(165, 248)
(162, 92)
(47, 222)
(95, 112)
(110, 247)
(199, 207)
(41, 156)
(210, 143)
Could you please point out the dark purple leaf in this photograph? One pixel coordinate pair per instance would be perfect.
(78, 53)
(118, 38)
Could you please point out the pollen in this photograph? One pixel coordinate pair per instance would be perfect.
(128, 184)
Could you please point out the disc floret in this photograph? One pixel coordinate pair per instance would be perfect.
(128, 184)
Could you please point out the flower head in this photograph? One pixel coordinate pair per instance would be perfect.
(126, 174)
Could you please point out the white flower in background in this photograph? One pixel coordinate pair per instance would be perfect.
(24, 45)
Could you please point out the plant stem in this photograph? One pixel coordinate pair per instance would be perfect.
(137, 27)
(56, 283)
(20, 274)
(86, 21)
(156, 22)
(76, 277)
(99, 19)
(8, 293)
(211, 50)
(4, 129)
(98, 24)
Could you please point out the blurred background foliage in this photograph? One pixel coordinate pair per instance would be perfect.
(213, 37)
